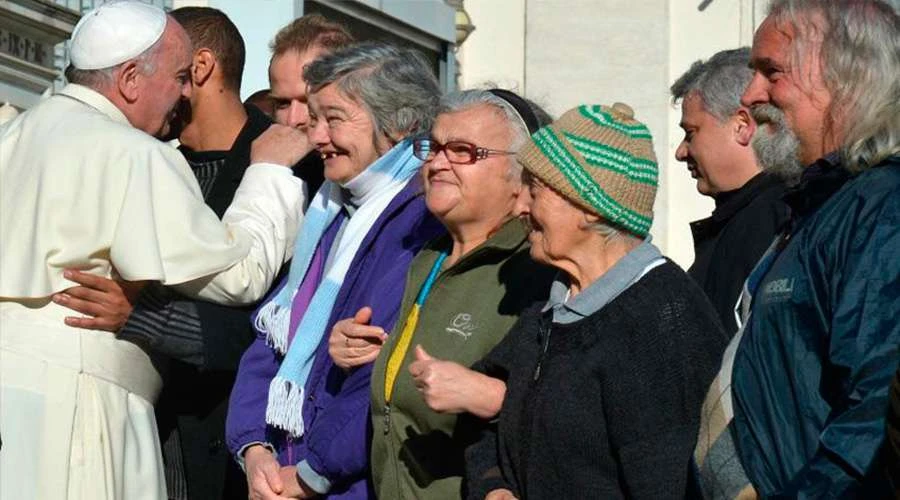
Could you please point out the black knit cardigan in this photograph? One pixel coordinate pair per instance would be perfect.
(608, 406)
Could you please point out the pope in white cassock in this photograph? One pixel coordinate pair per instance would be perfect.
(85, 185)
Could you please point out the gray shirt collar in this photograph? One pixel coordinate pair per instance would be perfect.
(628, 270)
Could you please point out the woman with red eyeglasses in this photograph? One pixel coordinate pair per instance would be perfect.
(463, 293)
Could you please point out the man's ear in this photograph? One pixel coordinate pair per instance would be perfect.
(128, 81)
(203, 66)
(744, 126)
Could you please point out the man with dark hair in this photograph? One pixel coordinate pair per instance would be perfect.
(718, 149)
(210, 29)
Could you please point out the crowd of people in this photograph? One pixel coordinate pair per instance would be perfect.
(356, 286)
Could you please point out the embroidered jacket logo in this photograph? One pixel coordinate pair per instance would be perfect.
(462, 325)
(779, 288)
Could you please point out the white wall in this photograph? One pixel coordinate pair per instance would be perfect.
(495, 52)
(601, 52)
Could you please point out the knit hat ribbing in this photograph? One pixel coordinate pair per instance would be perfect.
(601, 159)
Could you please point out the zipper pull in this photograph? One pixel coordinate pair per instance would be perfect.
(545, 337)
(387, 418)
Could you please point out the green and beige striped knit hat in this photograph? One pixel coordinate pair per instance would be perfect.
(601, 159)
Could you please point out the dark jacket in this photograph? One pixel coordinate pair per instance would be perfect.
(728, 244)
(335, 443)
(613, 410)
(892, 446)
(812, 372)
(194, 398)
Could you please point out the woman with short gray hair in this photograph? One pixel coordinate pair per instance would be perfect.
(387, 81)
(296, 421)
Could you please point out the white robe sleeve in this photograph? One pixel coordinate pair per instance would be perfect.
(166, 232)
(267, 211)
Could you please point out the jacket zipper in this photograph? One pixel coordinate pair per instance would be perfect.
(545, 336)
(526, 424)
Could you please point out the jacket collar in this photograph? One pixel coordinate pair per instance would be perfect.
(508, 239)
(95, 100)
(817, 183)
(730, 203)
(624, 273)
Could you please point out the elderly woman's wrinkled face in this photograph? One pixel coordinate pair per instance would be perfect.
(481, 191)
(343, 132)
(557, 226)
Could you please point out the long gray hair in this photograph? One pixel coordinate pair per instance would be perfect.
(860, 62)
(395, 85)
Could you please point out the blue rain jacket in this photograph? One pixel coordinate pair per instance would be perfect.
(812, 372)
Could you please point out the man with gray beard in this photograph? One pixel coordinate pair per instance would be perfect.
(811, 374)
(776, 146)
(718, 131)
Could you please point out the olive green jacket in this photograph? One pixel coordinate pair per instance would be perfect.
(417, 453)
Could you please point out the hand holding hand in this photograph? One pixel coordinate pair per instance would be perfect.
(280, 145)
(108, 302)
(294, 487)
(353, 342)
(263, 474)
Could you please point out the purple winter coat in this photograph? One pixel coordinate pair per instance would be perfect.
(336, 441)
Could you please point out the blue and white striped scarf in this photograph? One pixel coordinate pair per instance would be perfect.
(387, 177)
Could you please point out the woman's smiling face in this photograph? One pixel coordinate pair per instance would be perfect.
(459, 193)
(557, 226)
(343, 132)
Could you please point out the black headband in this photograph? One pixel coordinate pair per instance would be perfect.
(522, 108)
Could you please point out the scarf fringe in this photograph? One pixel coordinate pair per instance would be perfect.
(274, 321)
(284, 408)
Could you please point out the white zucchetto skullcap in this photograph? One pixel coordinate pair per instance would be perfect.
(114, 33)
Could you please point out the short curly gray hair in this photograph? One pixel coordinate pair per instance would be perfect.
(395, 85)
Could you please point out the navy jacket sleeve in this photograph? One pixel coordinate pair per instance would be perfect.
(863, 296)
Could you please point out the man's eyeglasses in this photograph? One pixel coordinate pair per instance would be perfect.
(459, 152)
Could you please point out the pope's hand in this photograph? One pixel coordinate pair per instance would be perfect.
(280, 145)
